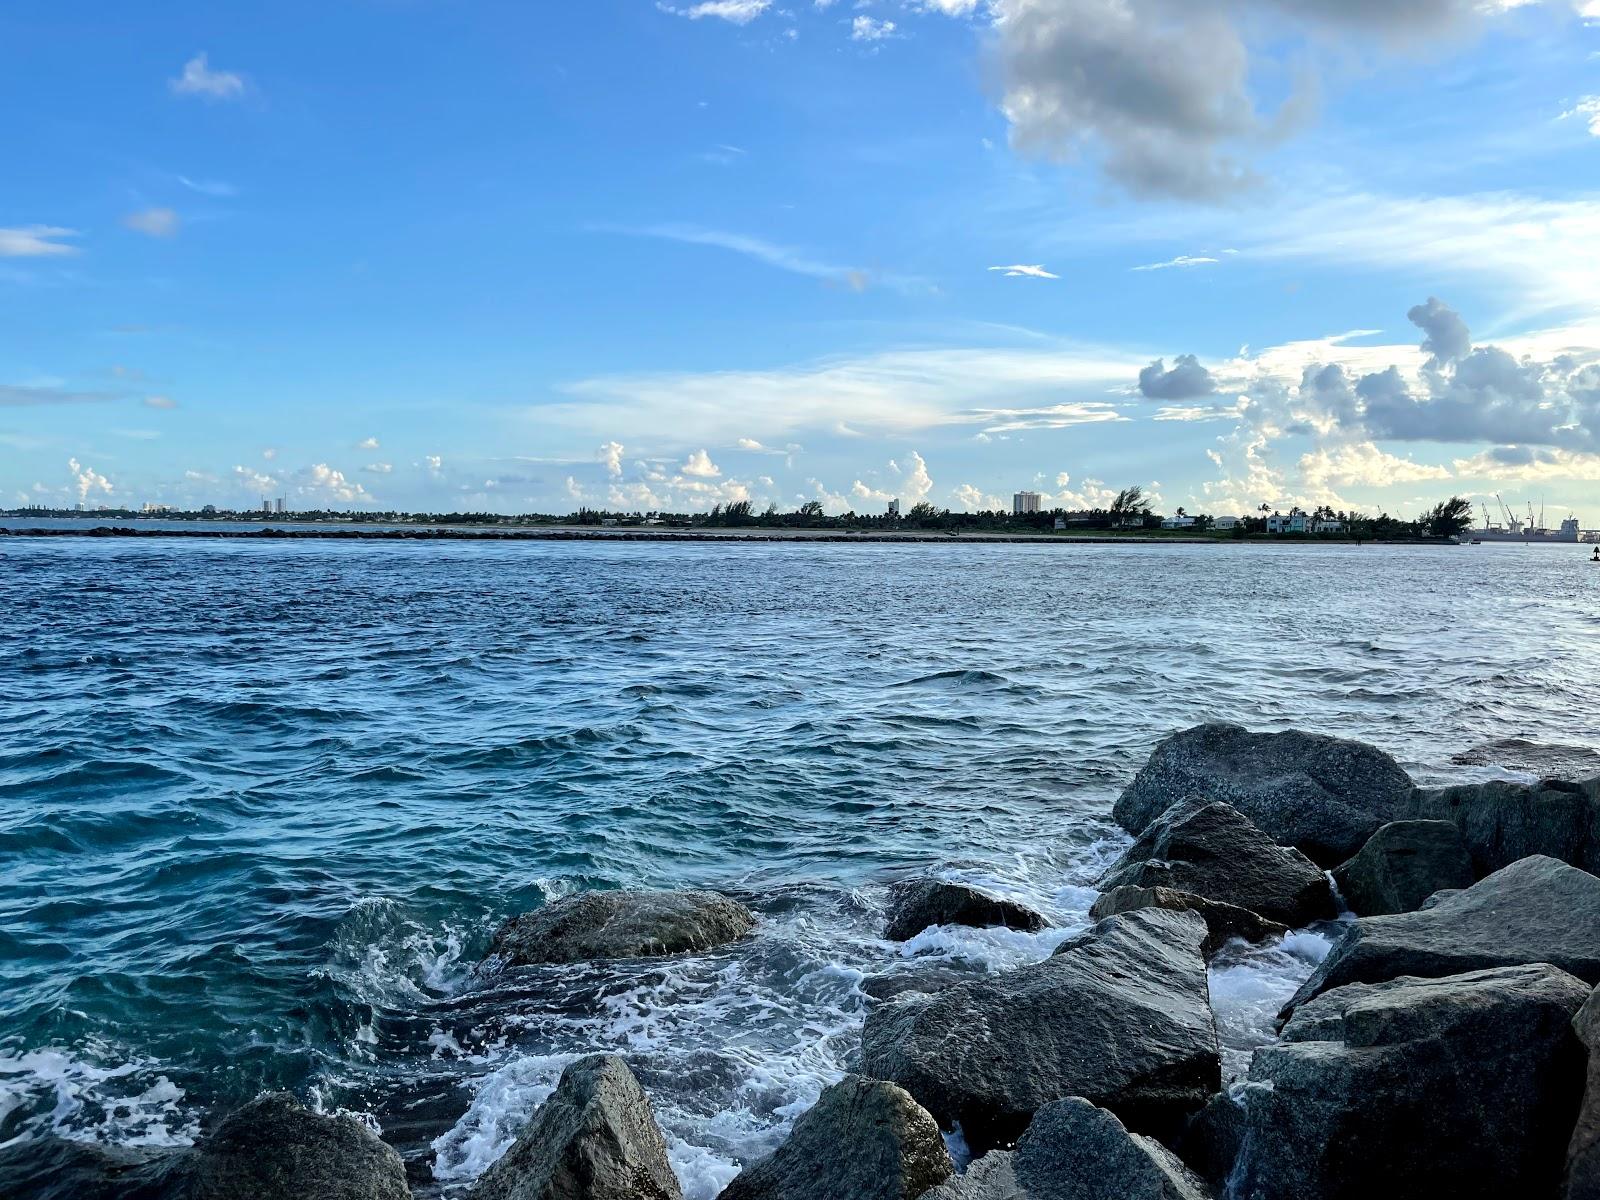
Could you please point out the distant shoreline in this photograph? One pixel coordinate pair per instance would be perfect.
(589, 533)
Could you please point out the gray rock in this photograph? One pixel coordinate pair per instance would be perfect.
(1463, 1087)
(1534, 911)
(1211, 849)
(1403, 864)
(862, 1140)
(595, 1138)
(1209, 1143)
(1582, 1180)
(1536, 758)
(1223, 921)
(274, 1149)
(623, 924)
(1323, 795)
(918, 903)
(1075, 1151)
(893, 984)
(1119, 1015)
(1502, 822)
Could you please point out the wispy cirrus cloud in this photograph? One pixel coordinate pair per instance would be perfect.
(1033, 271)
(738, 12)
(1183, 260)
(31, 396)
(36, 241)
(772, 254)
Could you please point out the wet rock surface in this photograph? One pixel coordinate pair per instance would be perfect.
(1403, 864)
(862, 1140)
(1119, 1015)
(621, 924)
(1224, 922)
(918, 903)
(1323, 795)
(1211, 849)
(1502, 821)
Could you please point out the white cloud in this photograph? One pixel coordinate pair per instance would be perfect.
(269, 453)
(36, 241)
(165, 402)
(370, 443)
(973, 499)
(1589, 109)
(198, 79)
(435, 463)
(1183, 260)
(86, 480)
(700, 466)
(739, 12)
(1530, 464)
(785, 258)
(865, 29)
(252, 480)
(1362, 464)
(153, 222)
(1020, 269)
(208, 187)
(323, 482)
(611, 455)
(378, 468)
(746, 443)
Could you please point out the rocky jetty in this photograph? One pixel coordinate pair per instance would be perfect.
(57, 1168)
(1119, 1015)
(1537, 910)
(918, 903)
(1582, 1179)
(595, 1138)
(1075, 1151)
(862, 1140)
(275, 1149)
(1325, 796)
(1465, 1086)
(1502, 822)
(1403, 864)
(622, 924)
(1224, 922)
(1212, 850)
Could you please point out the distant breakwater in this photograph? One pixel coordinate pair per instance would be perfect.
(567, 534)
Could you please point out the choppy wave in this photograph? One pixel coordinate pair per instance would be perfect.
(262, 806)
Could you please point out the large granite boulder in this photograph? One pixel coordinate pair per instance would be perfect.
(1536, 758)
(1502, 822)
(622, 924)
(918, 903)
(1119, 1015)
(1534, 911)
(1403, 864)
(595, 1138)
(1582, 1181)
(1224, 922)
(1323, 795)
(862, 1140)
(1075, 1151)
(1464, 1087)
(274, 1149)
(1211, 849)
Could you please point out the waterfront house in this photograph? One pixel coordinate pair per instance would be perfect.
(1183, 522)
(1295, 522)
(1226, 522)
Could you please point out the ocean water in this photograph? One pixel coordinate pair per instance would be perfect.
(261, 805)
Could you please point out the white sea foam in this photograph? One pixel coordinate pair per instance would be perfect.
(1249, 984)
(132, 1103)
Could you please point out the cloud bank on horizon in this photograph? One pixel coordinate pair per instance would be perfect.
(1243, 251)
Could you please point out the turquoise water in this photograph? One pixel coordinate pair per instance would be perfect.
(261, 804)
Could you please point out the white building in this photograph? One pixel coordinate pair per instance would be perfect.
(1327, 525)
(1295, 522)
(1226, 522)
(1177, 522)
(894, 510)
(1024, 502)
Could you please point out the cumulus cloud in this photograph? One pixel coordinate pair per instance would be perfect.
(1447, 337)
(370, 443)
(1530, 464)
(611, 456)
(86, 480)
(739, 12)
(199, 79)
(1185, 381)
(747, 443)
(700, 466)
(1362, 464)
(1034, 271)
(325, 483)
(36, 241)
(153, 222)
(1588, 109)
(864, 29)
(252, 480)
(1158, 91)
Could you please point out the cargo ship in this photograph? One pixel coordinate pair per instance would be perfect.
(1516, 529)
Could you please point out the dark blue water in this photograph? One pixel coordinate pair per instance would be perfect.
(261, 804)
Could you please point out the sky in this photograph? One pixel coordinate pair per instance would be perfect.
(509, 256)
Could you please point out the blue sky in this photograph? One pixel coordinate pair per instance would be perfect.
(511, 256)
